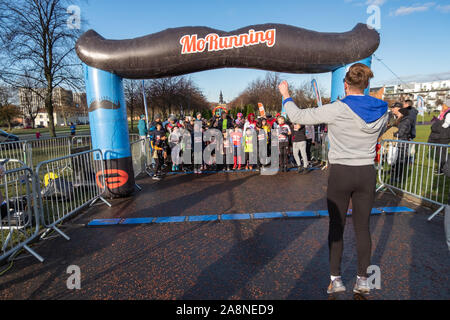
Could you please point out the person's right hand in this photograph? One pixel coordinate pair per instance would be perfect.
(284, 89)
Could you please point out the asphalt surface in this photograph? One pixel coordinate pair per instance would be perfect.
(251, 259)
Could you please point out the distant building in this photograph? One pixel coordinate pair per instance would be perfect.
(433, 92)
(68, 106)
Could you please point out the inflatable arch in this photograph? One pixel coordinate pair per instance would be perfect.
(178, 51)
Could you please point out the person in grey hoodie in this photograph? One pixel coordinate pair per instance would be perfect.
(354, 125)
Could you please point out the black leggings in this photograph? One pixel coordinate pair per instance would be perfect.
(357, 183)
(284, 148)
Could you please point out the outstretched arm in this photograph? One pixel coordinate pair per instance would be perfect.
(325, 114)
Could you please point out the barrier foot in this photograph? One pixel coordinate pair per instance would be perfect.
(148, 172)
(65, 236)
(391, 191)
(435, 213)
(101, 198)
(105, 201)
(8, 238)
(138, 186)
(33, 253)
(380, 188)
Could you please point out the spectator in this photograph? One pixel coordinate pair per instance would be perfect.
(38, 135)
(440, 133)
(412, 114)
(404, 125)
(142, 127)
(73, 129)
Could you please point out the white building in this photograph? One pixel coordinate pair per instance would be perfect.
(433, 92)
(68, 106)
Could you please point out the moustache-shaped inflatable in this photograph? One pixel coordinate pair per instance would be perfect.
(274, 47)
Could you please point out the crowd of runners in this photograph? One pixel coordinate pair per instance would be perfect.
(240, 136)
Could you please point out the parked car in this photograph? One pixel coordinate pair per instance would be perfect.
(7, 137)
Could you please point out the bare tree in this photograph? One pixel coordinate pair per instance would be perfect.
(178, 95)
(266, 91)
(30, 97)
(8, 111)
(35, 39)
(132, 91)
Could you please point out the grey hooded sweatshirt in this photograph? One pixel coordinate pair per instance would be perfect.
(354, 125)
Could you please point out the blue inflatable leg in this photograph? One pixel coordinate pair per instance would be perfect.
(337, 79)
(109, 130)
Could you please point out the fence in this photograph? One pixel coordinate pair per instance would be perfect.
(140, 156)
(81, 141)
(33, 151)
(14, 150)
(68, 184)
(44, 149)
(415, 168)
(19, 219)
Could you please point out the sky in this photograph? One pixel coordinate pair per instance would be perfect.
(415, 35)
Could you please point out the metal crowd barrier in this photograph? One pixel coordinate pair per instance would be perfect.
(81, 141)
(415, 168)
(15, 150)
(140, 156)
(134, 137)
(67, 185)
(19, 219)
(49, 148)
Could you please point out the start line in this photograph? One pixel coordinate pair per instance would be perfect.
(235, 216)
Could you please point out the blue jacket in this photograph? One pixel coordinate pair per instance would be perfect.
(142, 127)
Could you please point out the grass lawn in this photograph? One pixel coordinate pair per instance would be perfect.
(422, 132)
(61, 129)
(43, 130)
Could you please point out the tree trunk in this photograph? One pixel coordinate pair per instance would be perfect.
(131, 117)
(49, 108)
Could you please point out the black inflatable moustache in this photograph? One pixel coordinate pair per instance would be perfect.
(273, 47)
(103, 104)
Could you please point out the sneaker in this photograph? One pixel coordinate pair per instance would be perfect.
(155, 177)
(361, 286)
(336, 286)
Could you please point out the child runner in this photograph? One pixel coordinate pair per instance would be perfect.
(284, 131)
(236, 137)
(299, 144)
(248, 148)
